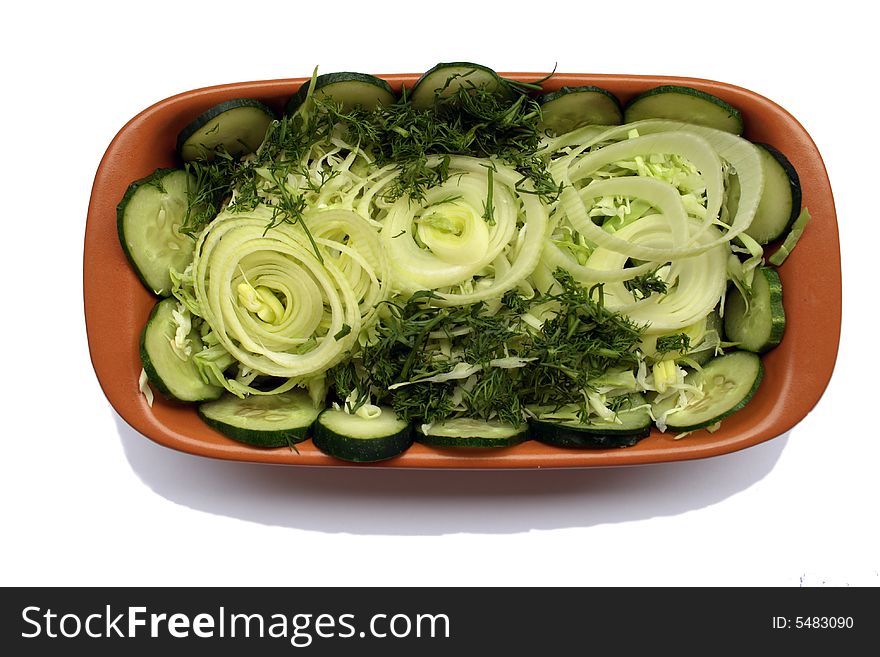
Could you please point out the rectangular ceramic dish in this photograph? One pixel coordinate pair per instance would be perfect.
(797, 372)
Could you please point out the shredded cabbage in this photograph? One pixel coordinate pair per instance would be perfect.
(144, 388)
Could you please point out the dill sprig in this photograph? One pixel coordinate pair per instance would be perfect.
(643, 286)
(489, 205)
(679, 342)
(213, 182)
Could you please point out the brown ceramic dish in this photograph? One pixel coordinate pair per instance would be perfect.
(797, 372)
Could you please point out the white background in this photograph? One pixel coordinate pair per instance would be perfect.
(86, 500)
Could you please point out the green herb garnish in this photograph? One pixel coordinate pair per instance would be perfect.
(579, 342)
(641, 287)
(680, 342)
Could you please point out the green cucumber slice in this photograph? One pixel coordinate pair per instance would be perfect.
(262, 420)
(684, 104)
(759, 327)
(471, 432)
(445, 79)
(791, 240)
(634, 424)
(781, 199)
(728, 383)
(346, 88)
(148, 219)
(354, 438)
(237, 125)
(172, 376)
(574, 107)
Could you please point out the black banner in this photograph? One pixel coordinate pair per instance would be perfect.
(334, 621)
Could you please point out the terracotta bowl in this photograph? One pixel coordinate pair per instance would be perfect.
(797, 372)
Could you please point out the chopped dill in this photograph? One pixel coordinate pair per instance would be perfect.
(579, 342)
(643, 286)
(680, 342)
(471, 121)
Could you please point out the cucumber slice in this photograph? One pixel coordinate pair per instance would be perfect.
(173, 376)
(781, 199)
(728, 383)
(445, 79)
(471, 432)
(760, 327)
(634, 424)
(573, 107)
(685, 104)
(791, 240)
(263, 420)
(354, 438)
(238, 125)
(348, 89)
(148, 218)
